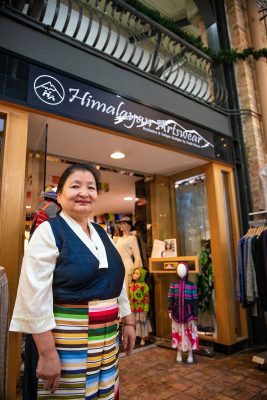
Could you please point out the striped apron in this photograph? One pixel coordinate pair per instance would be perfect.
(87, 341)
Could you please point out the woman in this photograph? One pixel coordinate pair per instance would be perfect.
(70, 286)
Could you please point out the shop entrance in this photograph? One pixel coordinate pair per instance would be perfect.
(128, 184)
(151, 172)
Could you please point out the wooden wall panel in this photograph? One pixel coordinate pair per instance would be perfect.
(224, 262)
(12, 215)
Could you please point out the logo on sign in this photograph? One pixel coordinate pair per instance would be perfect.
(49, 90)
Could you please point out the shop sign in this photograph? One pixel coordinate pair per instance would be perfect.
(63, 96)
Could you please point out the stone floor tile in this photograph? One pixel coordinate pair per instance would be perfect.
(180, 386)
(206, 395)
(220, 396)
(231, 390)
(257, 382)
(195, 390)
(244, 395)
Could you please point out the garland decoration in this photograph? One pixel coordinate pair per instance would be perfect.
(205, 281)
(222, 57)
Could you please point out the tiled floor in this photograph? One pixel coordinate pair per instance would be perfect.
(153, 375)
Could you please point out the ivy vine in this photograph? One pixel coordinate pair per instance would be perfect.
(223, 56)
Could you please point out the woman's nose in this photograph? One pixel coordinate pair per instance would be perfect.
(84, 192)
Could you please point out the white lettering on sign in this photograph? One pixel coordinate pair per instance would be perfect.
(50, 91)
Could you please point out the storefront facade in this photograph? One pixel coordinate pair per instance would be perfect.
(45, 78)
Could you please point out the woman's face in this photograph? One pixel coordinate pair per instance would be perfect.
(79, 194)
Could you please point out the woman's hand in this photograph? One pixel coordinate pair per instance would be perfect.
(128, 334)
(49, 369)
(49, 366)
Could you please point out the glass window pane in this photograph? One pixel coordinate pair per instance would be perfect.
(194, 239)
(192, 214)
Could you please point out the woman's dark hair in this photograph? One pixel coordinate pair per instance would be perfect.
(78, 167)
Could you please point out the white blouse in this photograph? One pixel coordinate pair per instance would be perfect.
(33, 311)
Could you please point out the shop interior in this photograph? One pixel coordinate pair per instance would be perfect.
(124, 192)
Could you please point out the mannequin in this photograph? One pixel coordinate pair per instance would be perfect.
(128, 248)
(139, 301)
(183, 311)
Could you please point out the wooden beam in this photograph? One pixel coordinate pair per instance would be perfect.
(12, 219)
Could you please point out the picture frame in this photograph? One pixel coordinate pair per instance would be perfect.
(170, 248)
(171, 265)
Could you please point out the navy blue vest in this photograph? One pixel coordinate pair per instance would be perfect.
(77, 277)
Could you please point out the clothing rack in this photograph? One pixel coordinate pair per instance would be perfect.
(4, 323)
(257, 223)
(258, 213)
(254, 222)
(261, 358)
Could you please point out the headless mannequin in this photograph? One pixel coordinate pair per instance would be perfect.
(182, 271)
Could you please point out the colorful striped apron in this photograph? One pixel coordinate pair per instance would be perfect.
(87, 341)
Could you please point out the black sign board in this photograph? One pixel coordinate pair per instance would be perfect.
(60, 95)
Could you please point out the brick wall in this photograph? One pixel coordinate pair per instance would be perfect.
(248, 97)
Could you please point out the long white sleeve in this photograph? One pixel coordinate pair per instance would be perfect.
(33, 312)
(124, 304)
(136, 252)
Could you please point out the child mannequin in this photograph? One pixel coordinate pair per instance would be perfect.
(183, 311)
(139, 302)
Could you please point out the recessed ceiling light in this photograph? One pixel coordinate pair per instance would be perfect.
(117, 155)
(128, 198)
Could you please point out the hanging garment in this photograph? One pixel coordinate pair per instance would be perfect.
(4, 308)
(247, 280)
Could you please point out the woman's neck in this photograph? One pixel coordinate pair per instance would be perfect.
(82, 221)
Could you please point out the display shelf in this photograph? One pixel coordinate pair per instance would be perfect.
(168, 265)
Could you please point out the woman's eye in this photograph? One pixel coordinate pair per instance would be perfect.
(74, 187)
(91, 188)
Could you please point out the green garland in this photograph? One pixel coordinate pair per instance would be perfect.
(205, 280)
(224, 56)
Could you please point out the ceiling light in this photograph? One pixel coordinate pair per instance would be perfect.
(28, 206)
(128, 198)
(117, 155)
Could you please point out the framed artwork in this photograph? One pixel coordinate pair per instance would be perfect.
(170, 265)
(170, 248)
